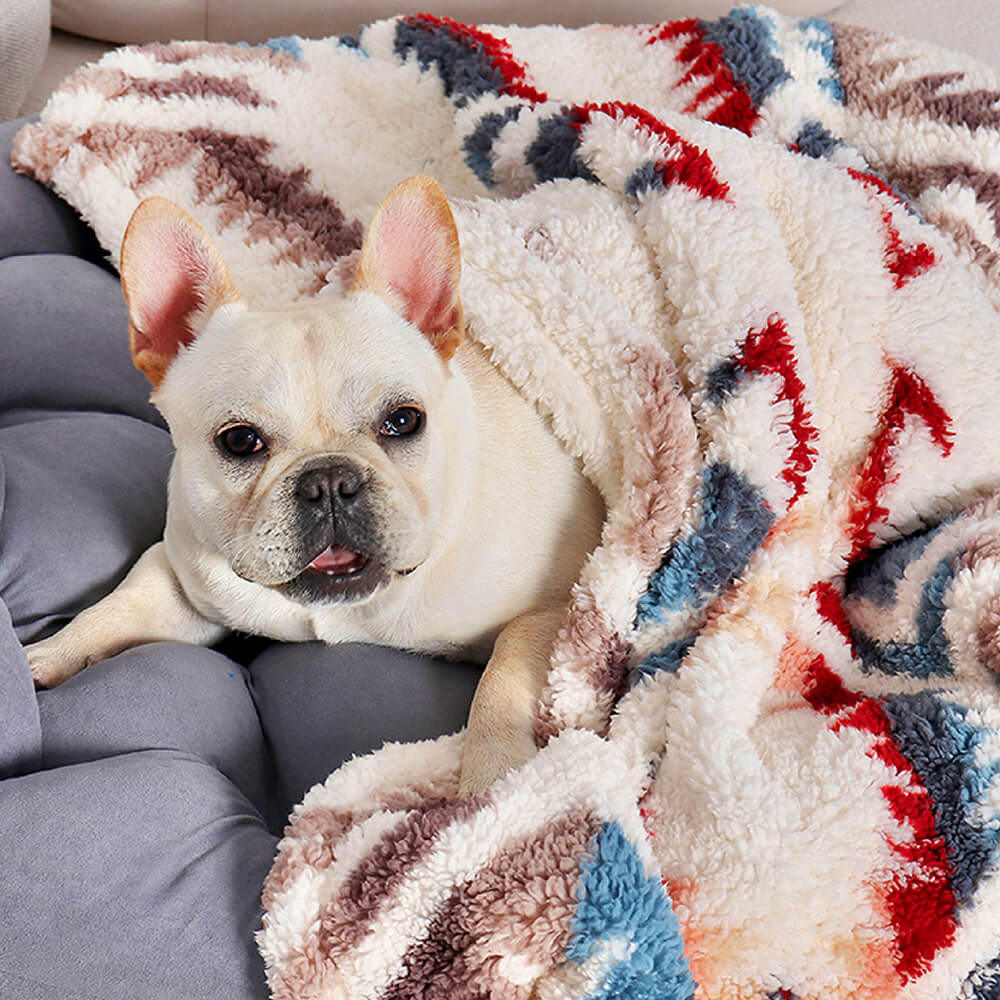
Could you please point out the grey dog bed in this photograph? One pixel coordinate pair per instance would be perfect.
(140, 802)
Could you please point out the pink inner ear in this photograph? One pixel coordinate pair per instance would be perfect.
(172, 274)
(166, 315)
(418, 262)
(429, 303)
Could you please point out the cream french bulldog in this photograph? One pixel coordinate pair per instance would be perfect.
(347, 469)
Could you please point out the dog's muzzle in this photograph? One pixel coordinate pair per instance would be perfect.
(333, 506)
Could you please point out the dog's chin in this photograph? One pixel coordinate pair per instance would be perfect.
(337, 575)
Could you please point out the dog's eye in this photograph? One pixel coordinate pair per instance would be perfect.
(402, 421)
(239, 440)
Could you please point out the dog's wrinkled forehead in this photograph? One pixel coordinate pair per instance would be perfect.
(336, 360)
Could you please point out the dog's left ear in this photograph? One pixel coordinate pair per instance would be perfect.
(411, 259)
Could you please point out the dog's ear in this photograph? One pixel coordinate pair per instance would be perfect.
(173, 278)
(411, 259)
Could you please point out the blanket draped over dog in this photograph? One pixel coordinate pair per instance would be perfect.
(749, 269)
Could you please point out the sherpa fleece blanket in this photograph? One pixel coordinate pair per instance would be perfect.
(748, 268)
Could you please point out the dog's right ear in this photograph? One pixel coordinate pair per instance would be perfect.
(173, 279)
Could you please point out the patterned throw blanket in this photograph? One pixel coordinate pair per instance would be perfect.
(749, 268)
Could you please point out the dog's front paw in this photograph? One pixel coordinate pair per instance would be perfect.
(470, 784)
(54, 660)
(486, 760)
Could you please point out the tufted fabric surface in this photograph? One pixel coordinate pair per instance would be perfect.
(24, 37)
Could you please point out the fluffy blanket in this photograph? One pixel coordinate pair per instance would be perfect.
(749, 269)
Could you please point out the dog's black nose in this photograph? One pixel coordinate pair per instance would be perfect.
(329, 484)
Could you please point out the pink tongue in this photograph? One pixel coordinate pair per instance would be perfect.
(335, 559)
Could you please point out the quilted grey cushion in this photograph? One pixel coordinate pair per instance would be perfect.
(141, 801)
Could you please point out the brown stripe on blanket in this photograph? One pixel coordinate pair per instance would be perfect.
(276, 206)
(313, 833)
(589, 637)
(987, 506)
(984, 184)
(276, 202)
(197, 86)
(104, 80)
(984, 547)
(38, 149)
(155, 150)
(311, 841)
(174, 53)
(638, 533)
(869, 64)
(512, 919)
(864, 58)
(663, 484)
(971, 248)
(386, 866)
(920, 97)
(973, 108)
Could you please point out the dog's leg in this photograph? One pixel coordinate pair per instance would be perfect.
(147, 606)
(501, 729)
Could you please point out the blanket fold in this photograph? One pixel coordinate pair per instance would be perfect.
(748, 270)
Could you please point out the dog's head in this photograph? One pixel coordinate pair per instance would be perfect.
(316, 445)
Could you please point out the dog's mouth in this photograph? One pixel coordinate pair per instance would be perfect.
(337, 560)
(337, 574)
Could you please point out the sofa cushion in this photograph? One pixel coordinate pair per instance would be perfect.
(84, 496)
(165, 695)
(32, 219)
(136, 875)
(317, 705)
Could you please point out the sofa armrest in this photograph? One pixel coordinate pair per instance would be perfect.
(24, 38)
